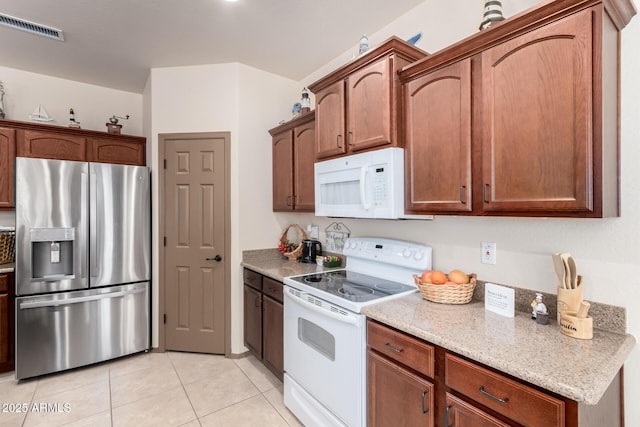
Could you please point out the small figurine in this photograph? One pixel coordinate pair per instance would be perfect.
(364, 44)
(72, 120)
(1, 101)
(539, 312)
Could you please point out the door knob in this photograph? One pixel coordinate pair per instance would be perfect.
(216, 258)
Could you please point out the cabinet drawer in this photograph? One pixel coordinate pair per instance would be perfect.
(403, 348)
(4, 283)
(510, 398)
(252, 279)
(272, 288)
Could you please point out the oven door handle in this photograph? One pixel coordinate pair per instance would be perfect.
(341, 318)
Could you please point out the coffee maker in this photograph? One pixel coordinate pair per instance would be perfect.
(310, 249)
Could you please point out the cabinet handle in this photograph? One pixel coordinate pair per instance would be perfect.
(496, 398)
(257, 302)
(446, 415)
(424, 410)
(350, 138)
(392, 348)
(462, 191)
(288, 200)
(338, 141)
(485, 192)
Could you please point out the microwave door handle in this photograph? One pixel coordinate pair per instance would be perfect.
(363, 188)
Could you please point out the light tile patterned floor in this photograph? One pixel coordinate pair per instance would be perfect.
(150, 389)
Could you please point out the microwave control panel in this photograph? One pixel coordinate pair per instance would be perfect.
(380, 187)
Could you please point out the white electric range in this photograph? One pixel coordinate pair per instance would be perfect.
(325, 333)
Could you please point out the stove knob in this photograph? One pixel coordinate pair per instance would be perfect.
(418, 255)
(406, 253)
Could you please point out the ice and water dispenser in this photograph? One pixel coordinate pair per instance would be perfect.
(52, 253)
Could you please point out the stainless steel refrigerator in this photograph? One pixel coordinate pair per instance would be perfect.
(82, 270)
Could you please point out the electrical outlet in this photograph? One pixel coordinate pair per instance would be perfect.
(488, 253)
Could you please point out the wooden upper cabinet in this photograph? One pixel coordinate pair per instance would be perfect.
(51, 145)
(293, 158)
(7, 162)
(520, 119)
(358, 106)
(330, 115)
(438, 141)
(61, 143)
(282, 149)
(110, 150)
(304, 137)
(538, 139)
(370, 106)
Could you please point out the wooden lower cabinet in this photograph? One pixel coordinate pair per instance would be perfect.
(272, 336)
(397, 396)
(263, 320)
(459, 413)
(6, 322)
(253, 320)
(443, 389)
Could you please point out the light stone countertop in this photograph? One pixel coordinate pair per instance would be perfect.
(270, 263)
(580, 370)
(7, 268)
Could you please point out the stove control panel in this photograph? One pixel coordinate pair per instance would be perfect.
(390, 251)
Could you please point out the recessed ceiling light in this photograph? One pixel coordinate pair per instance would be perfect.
(231, 1)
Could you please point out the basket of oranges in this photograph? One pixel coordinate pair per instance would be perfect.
(455, 288)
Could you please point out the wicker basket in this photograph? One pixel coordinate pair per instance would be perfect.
(7, 245)
(447, 294)
(297, 252)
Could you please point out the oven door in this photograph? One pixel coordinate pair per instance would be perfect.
(324, 361)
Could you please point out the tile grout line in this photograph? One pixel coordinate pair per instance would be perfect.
(183, 388)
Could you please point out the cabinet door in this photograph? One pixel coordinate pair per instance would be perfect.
(369, 106)
(7, 162)
(273, 348)
(108, 150)
(253, 321)
(304, 157)
(459, 413)
(51, 145)
(6, 322)
(538, 120)
(283, 171)
(330, 119)
(396, 396)
(438, 140)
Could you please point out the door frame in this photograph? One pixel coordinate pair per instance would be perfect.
(162, 139)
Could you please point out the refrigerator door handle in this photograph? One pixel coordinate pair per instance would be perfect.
(93, 223)
(56, 303)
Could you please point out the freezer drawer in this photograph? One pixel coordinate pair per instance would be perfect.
(55, 332)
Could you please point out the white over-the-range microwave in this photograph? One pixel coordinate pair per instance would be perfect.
(364, 185)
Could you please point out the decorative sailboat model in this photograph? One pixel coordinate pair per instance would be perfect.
(40, 115)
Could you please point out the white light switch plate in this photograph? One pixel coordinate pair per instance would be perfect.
(312, 231)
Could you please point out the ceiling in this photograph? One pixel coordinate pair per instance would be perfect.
(114, 43)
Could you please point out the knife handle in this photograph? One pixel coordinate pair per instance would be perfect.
(583, 310)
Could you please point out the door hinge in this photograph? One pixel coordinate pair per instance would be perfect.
(164, 318)
(164, 163)
(164, 241)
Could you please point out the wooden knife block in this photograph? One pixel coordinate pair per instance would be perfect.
(568, 300)
(576, 327)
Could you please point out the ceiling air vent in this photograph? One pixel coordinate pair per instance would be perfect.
(31, 27)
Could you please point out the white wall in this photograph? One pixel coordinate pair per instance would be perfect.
(93, 105)
(606, 250)
(224, 98)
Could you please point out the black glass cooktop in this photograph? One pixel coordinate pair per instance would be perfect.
(352, 286)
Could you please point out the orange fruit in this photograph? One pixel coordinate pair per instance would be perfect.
(438, 278)
(425, 277)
